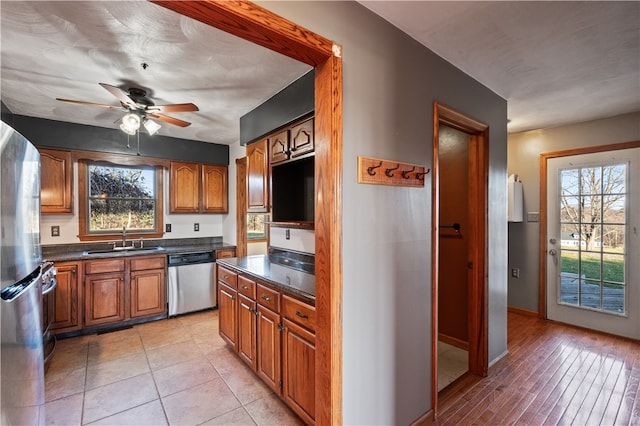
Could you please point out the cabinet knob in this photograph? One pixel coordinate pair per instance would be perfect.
(226, 277)
(265, 297)
(245, 287)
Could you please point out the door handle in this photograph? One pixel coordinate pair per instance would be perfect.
(553, 252)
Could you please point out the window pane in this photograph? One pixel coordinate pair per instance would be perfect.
(121, 196)
(121, 182)
(613, 268)
(613, 298)
(113, 214)
(591, 180)
(613, 178)
(569, 209)
(256, 228)
(569, 181)
(590, 294)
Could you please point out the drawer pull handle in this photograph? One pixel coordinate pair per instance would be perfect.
(265, 297)
(301, 315)
(226, 277)
(245, 287)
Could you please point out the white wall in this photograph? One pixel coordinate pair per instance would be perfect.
(390, 83)
(524, 151)
(211, 225)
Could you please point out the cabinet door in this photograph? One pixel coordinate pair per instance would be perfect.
(268, 340)
(279, 147)
(56, 181)
(147, 293)
(302, 141)
(184, 187)
(257, 177)
(215, 197)
(227, 314)
(247, 330)
(223, 254)
(67, 298)
(104, 299)
(299, 370)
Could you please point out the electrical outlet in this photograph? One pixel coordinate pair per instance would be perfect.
(196, 227)
(55, 231)
(515, 272)
(167, 227)
(287, 234)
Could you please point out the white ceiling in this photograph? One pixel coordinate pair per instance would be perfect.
(64, 49)
(555, 62)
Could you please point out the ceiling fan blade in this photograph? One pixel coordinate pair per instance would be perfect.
(170, 120)
(73, 101)
(188, 107)
(120, 94)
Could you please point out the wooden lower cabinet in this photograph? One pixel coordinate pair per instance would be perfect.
(247, 330)
(120, 289)
(228, 314)
(268, 340)
(280, 350)
(147, 291)
(299, 370)
(67, 312)
(104, 299)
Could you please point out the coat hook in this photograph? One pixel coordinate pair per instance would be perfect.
(371, 170)
(389, 172)
(405, 173)
(420, 176)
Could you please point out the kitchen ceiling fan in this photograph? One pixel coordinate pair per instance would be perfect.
(139, 108)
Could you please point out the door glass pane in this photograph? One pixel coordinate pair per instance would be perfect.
(592, 224)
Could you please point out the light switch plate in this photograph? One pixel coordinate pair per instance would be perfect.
(167, 227)
(533, 217)
(196, 227)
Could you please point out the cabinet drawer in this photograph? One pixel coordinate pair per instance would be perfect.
(247, 287)
(144, 263)
(299, 312)
(228, 277)
(103, 265)
(223, 254)
(269, 298)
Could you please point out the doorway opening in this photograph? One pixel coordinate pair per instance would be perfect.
(459, 243)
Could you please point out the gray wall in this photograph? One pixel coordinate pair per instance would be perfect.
(390, 83)
(524, 151)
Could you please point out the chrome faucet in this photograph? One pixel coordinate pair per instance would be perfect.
(124, 235)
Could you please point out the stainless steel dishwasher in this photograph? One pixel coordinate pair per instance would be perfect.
(192, 282)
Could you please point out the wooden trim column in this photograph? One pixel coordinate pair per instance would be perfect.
(258, 25)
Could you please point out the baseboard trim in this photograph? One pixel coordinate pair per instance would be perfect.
(521, 311)
(425, 419)
(453, 341)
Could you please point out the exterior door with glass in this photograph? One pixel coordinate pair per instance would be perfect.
(593, 241)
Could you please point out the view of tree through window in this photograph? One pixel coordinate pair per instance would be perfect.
(256, 226)
(593, 222)
(121, 196)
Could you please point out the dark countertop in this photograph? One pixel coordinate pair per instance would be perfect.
(70, 252)
(270, 269)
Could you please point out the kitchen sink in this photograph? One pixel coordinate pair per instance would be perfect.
(122, 250)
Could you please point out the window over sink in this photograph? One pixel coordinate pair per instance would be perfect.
(114, 196)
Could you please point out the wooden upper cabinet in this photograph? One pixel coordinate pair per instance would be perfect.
(257, 177)
(302, 140)
(56, 181)
(215, 198)
(184, 187)
(279, 147)
(198, 188)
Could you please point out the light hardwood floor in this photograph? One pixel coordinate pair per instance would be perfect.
(554, 374)
(176, 371)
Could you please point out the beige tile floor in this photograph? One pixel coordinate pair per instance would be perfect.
(176, 371)
(453, 362)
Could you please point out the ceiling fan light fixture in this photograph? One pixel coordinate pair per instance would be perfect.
(130, 123)
(151, 126)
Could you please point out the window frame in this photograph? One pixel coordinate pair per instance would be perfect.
(84, 159)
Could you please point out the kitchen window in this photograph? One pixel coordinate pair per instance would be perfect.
(113, 197)
(256, 226)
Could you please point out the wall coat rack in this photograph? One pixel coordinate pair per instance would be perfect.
(387, 172)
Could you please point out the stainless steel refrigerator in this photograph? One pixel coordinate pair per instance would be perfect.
(22, 277)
